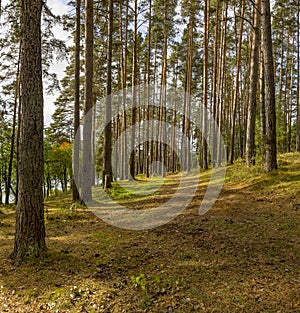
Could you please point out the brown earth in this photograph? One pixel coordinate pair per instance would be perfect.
(242, 256)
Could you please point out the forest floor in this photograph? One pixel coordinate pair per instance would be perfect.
(241, 256)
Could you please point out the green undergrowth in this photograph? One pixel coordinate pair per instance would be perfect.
(241, 256)
(284, 180)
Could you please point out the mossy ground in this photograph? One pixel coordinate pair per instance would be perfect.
(241, 256)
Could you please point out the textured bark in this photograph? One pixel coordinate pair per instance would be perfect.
(262, 103)
(134, 91)
(30, 227)
(271, 157)
(284, 142)
(220, 116)
(124, 163)
(107, 165)
(205, 84)
(298, 85)
(214, 96)
(147, 153)
(236, 85)
(163, 96)
(254, 62)
(76, 162)
(88, 120)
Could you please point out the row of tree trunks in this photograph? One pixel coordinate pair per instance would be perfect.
(254, 66)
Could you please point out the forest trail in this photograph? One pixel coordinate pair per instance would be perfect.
(242, 256)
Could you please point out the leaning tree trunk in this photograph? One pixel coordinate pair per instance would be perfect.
(30, 226)
(271, 157)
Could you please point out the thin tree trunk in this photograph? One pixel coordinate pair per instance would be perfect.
(284, 126)
(290, 106)
(107, 165)
(222, 81)
(262, 104)
(163, 95)
(250, 135)
(13, 135)
(134, 94)
(298, 79)
(124, 165)
(205, 84)
(281, 76)
(237, 85)
(214, 85)
(148, 90)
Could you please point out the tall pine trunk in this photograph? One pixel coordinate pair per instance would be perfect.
(298, 84)
(205, 85)
(124, 163)
(30, 226)
(271, 157)
(107, 165)
(236, 85)
(75, 192)
(134, 93)
(254, 62)
(88, 119)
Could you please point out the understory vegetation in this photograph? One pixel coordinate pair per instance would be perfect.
(242, 256)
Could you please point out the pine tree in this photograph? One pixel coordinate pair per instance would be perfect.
(271, 148)
(30, 241)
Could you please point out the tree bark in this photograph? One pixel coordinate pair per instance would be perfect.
(298, 84)
(13, 135)
(262, 104)
(163, 95)
(134, 93)
(205, 84)
(214, 95)
(107, 164)
(75, 192)
(124, 163)
(147, 153)
(30, 226)
(88, 119)
(250, 134)
(237, 84)
(271, 157)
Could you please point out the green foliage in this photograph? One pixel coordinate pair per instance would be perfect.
(140, 281)
(58, 164)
